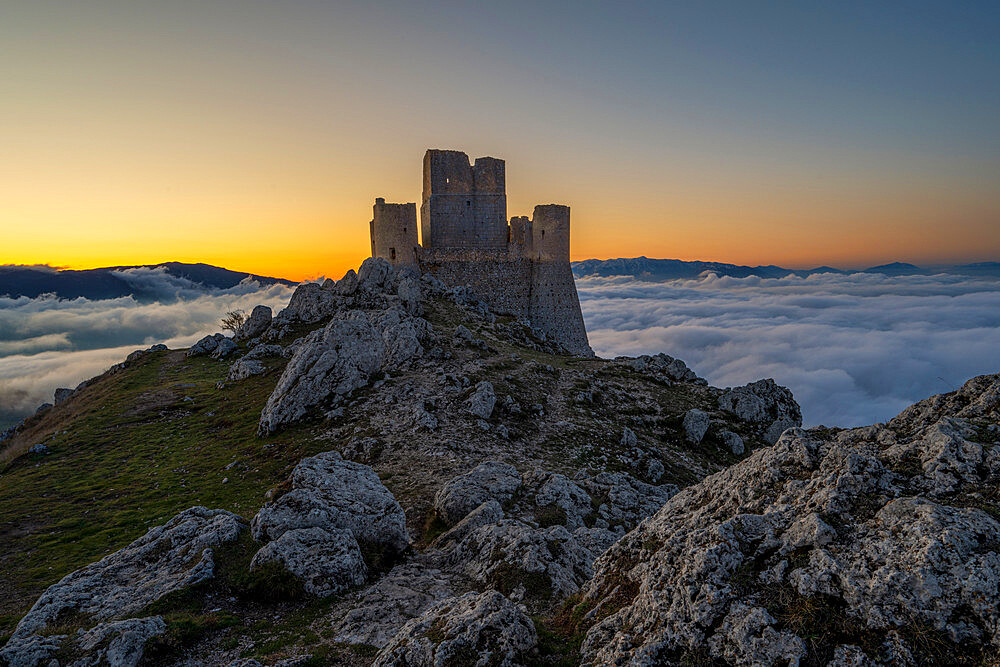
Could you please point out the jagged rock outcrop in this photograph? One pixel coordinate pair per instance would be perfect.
(255, 325)
(662, 366)
(487, 481)
(168, 558)
(343, 356)
(332, 362)
(865, 533)
(225, 348)
(768, 406)
(333, 494)
(206, 345)
(478, 629)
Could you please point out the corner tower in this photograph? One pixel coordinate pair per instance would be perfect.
(394, 232)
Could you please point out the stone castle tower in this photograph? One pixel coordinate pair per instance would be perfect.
(519, 267)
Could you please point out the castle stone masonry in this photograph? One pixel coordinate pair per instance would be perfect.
(519, 267)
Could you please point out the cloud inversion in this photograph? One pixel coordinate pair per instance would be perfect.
(854, 349)
(47, 343)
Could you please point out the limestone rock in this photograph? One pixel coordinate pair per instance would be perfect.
(764, 404)
(661, 365)
(628, 438)
(332, 361)
(553, 490)
(255, 325)
(624, 500)
(206, 345)
(695, 425)
(225, 348)
(61, 394)
(378, 612)
(523, 561)
(244, 368)
(309, 303)
(376, 274)
(479, 629)
(487, 481)
(264, 350)
(119, 643)
(482, 400)
(30, 650)
(733, 441)
(330, 493)
(327, 560)
(168, 558)
(881, 522)
(409, 295)
(348, 285)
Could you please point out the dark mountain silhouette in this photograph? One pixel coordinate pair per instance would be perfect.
(646, 268)
(109, 282)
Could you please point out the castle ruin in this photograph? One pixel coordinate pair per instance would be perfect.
(519, 267)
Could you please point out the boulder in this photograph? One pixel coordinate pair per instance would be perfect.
(255, 325)
(764, 404)
(695, 425)
(309, 303)
(61, 394)
(733, 441)
(376, 275)
(205, 346)
(348, 285)
(244, 368)
(491, 480)
(409, 296)
(168, 558)
(327, 560)
(333, 494)
(476, 629)
(482, 400)
(623, 501)
(225, 348)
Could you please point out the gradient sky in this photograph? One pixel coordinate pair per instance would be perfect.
(256, 135)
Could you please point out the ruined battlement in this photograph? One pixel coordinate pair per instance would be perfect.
(519, 267)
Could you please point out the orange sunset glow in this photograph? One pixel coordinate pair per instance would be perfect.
(256, 137)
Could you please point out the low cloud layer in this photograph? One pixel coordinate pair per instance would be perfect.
(47, 343)
(854, 349)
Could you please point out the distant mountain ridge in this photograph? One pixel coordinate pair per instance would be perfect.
(110, 283)
(674, 269)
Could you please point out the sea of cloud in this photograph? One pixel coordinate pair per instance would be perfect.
(854, 349)
(48, 342)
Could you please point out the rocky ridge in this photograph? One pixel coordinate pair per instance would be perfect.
(483, 499)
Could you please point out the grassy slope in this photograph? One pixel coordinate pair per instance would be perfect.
(128, 453)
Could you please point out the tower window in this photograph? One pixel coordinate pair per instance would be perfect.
(392, 254)
(468, 203)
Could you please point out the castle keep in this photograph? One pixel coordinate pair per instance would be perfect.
(519, 267)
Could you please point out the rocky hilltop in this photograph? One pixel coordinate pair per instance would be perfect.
(387, 472)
